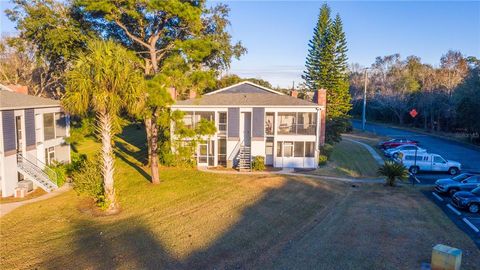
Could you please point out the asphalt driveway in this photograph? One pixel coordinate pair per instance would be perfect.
(468, 156)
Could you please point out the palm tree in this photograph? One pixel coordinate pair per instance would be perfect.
(392, 171)
(105, 80)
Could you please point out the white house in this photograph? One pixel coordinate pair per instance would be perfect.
(32, 136)
(252, 120)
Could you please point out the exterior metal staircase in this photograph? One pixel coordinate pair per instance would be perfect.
(244, 159)
(45, 178)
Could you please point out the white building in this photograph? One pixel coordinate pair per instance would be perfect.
(32, 136)
(252, 120)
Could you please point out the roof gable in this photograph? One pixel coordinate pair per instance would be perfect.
(245, 87)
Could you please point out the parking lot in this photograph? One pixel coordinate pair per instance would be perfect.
(468, 222)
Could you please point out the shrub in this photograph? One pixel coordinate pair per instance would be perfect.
(322, 160)
(392, 171)
(88, 180)
(58, 170)
(326, 150)
(258, 163)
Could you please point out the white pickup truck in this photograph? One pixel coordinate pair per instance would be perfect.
(429, 162)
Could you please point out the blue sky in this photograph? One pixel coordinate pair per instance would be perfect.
(276, 33)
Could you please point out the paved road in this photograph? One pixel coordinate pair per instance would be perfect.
(468, 156)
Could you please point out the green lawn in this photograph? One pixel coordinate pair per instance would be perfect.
(349, 159)
(197, 220)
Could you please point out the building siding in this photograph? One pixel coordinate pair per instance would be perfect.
(233, 123)
(30, 139)
(258, 129)
(8, 122)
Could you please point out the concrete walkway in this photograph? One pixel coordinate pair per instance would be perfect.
(9, 207)
(370, 149)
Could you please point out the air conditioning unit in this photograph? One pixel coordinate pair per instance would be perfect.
(26, 184)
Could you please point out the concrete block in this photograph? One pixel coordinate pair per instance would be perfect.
(446, 258)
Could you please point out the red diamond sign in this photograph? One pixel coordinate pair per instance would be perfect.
(413, 113)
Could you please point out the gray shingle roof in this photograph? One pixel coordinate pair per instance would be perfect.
(11, 100)
(246, 99)
(245, 94)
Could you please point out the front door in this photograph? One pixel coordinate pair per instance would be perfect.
(203, 154)
(246, 127)
(269, 151)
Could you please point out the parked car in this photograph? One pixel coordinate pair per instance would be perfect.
(395, 143)
(467, 200)
(461, 182)
(429, 162)
(404, 149)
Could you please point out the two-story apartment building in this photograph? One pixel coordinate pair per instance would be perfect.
(251, 121)
(32, 136)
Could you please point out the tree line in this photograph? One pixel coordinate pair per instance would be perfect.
(111, 59)
(447, 97)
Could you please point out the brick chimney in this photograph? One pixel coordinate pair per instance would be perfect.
(320, 97)
(173, 93)
(192, 94)
(294, 93)
(21, 89)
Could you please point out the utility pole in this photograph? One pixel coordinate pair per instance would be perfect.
(364, 120)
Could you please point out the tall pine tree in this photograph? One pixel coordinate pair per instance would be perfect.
(326, 67)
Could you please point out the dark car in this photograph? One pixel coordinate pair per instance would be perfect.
(461, 182)
(467, 200)
(395, 143)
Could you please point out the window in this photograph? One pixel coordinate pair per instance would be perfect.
(295, 149)
(279, 149)
(309, 149)
(191, 119)
(222, 152)
(299, 147)
(269, 147)
(269, 123)
(438, 159)
(49, 155)
(60, 125)
(306, 123)
(211, 153)
(473, 179)
(288, 149)
(287, 123)
(48, 126)
(297, 123)
(203, 153)
(419, 158)
(222, 122)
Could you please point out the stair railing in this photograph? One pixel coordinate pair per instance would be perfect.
(235, 151)
(34, 162)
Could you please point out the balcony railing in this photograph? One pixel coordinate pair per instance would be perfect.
(297, 129)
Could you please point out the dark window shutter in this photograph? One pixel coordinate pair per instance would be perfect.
(30, 127)
(233, 123)
(8, 122)
(258, 124)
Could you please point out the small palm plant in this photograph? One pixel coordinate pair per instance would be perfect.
(392, 171)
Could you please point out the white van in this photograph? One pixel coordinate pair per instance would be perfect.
(429, 162)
